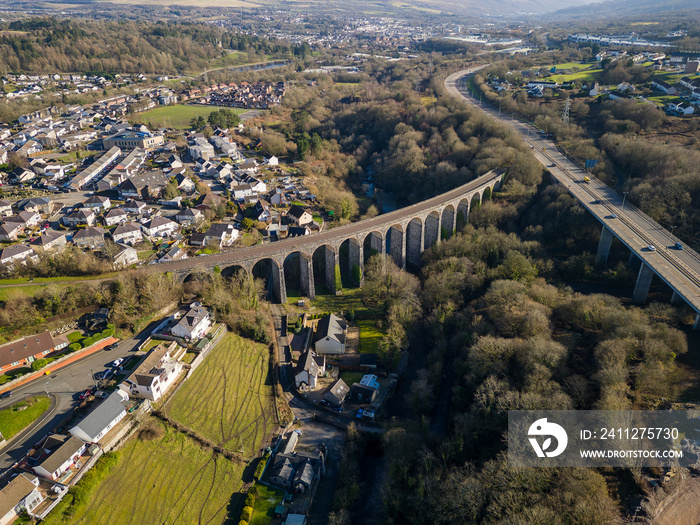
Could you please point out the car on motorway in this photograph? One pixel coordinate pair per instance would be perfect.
(613, 216)
(6, 394)
(552, 165)
(117, 362)
(678, 246)
(651, 248)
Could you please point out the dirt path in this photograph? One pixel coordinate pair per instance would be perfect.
(681, 507)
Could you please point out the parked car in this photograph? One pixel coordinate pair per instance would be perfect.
(112, 346)
(324, 403)
(651, 248)
(678, 246)
(359, 413)
(118, 361)
(368, 414)
(102, 394)
(6, 394)
(86, 394)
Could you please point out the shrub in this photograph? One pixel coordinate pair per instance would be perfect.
(250, 500)
(261, 466)
(243, 522)
(253, 490)
(246, 513)
(39, 364)
(73, 347)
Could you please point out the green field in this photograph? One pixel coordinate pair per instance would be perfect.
(370, 336)
(586, 75)
(177, 116)
(13, 420)
(229, 398)
(169, 479)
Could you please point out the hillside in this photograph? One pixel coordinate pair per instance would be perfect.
(627, 7)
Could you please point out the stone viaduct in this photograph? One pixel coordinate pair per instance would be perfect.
(403, 234)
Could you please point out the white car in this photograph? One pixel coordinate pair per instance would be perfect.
(118, 362)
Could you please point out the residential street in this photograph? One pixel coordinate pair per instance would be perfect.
(64, 384)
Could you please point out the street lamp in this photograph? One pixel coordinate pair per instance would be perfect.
(624, 196)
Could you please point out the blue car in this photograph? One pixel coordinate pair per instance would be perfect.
(359, 414)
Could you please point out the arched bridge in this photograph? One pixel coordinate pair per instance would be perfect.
(404, 234)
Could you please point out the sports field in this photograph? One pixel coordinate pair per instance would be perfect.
(229, 398)
(166, 479)
(177, 116)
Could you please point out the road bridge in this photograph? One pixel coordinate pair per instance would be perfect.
(403, 234)
(657, 251)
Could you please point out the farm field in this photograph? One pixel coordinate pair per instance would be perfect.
(229, 398)
(166, 478)
(585, 75)
(177, 116)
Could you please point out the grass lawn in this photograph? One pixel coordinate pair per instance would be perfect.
(370, 336)
(229, 398)
(77, 335)
(265, 502)
(189, 357)
(13, 374)
(151, 344)
(349, 299)
(351, 377)
(13, 420)
(177, 116)
(167, 480)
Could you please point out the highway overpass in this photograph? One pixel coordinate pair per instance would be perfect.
(660, 253)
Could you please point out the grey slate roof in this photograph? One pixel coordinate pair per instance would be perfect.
(331, 326)
(96, 421)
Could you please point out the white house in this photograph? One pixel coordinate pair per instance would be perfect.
(115, 216)
(62, 458)
(155, 375)
(299, 216)
(241, 191)
(102, 419)
(309, 368)
(193, 324)
(17, 496)
(10, 231)
(189, 216)
(160, 227)
(127, 233)
(125, 256)
(97, 202)
(330, 335)
(78, 217)
(16, 253)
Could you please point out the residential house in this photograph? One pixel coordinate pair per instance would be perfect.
(25, 351)
(97, 203)
(20, 175)
(366, 390)
(62, 458)
(10, 231)
(664, 87)
(330, 335)
(35, 205)
(309, 368)
(5, 208)
(135, 207)
(296, 231)
(93, 237)
(299, 216)
(145, 186)
(18, 496)
(29, 219)
(155, 375)
(297, 472)
(125, 256)
(189, 216)
(241, 191)
(115, 216)
(51, 240)
(336, 393)
(261, 211)
(127, 233)
(173, 254)
(160, 227)
(272, 161)
(221, 234)
(79, 218)
(193, 324)
(102, 418)
(184, 182)
(279, 198)
(16, 253)
(211, 201)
